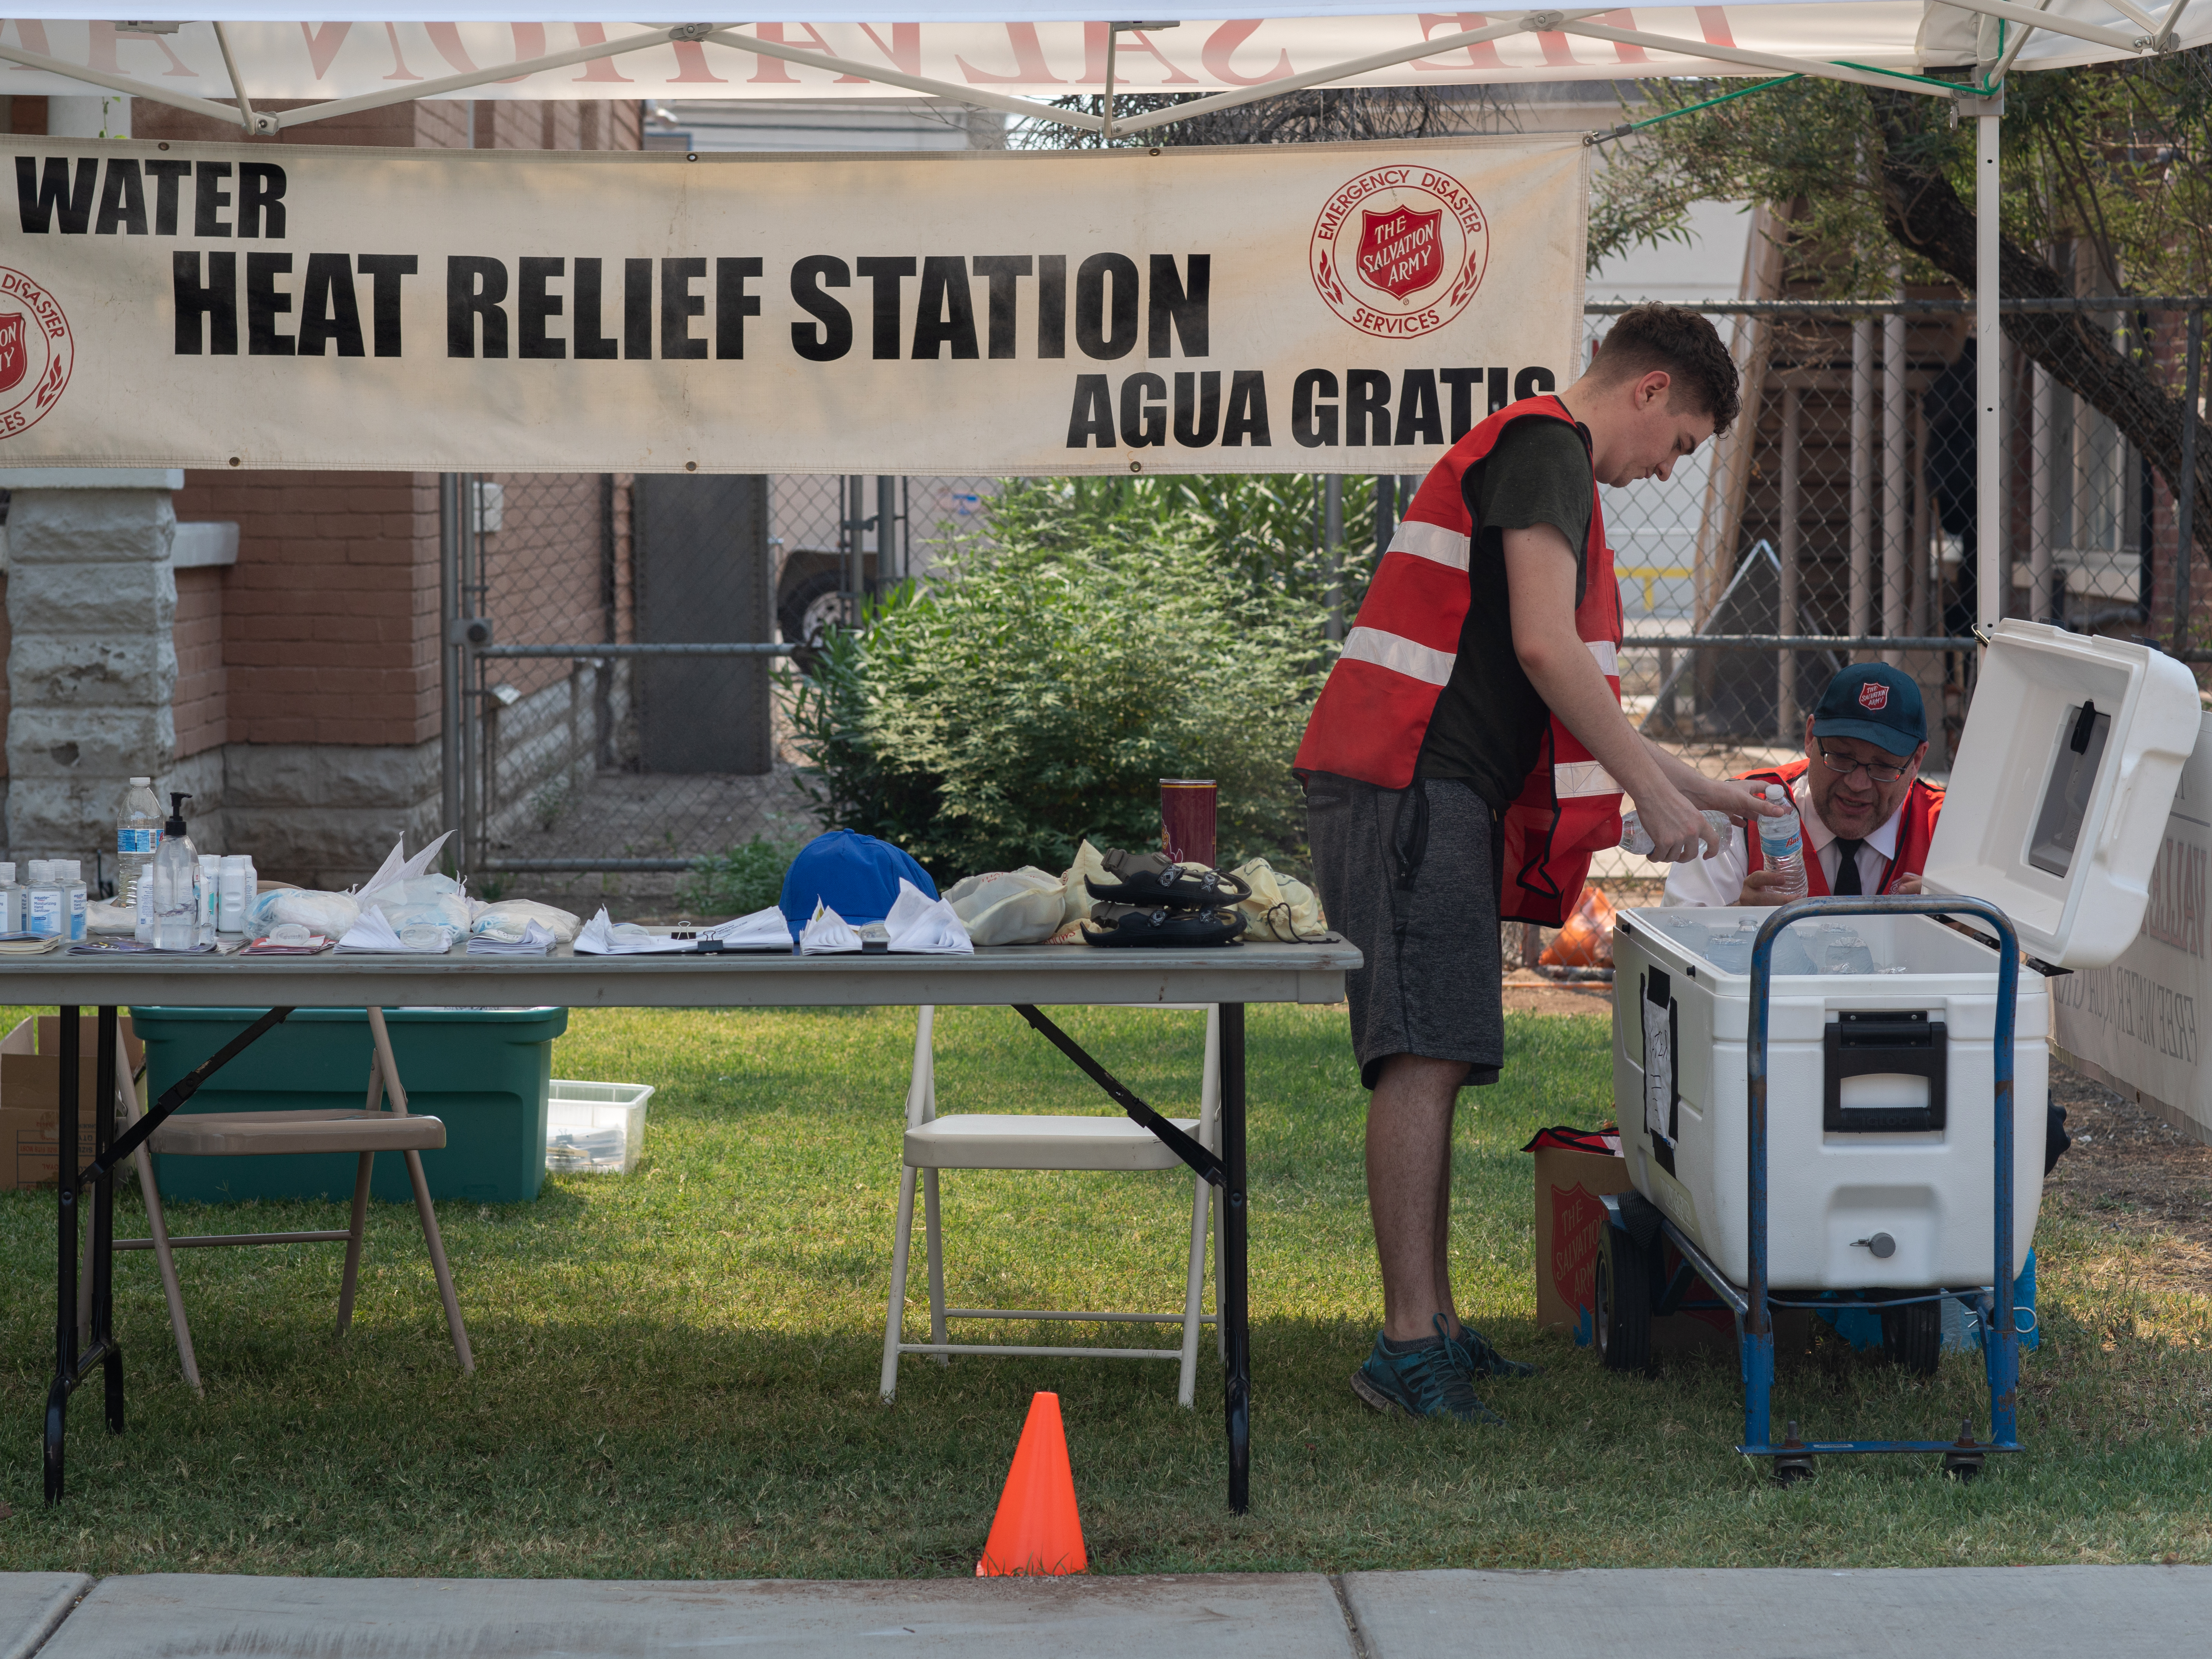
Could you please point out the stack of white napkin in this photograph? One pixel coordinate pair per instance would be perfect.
(925, 925)
(537, 940)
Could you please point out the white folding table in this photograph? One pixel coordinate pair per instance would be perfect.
(1022, 978)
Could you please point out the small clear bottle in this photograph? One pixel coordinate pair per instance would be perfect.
(11, 901)
(210, 895)
(45, 911)
(1634, 838)
(1781, 844)
(68, 875)
(176, 883)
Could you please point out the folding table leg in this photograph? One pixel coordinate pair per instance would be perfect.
(1229, 1295)
(66, 1345)
(103, 1222)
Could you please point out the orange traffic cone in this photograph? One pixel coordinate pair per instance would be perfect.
(1035, 1530)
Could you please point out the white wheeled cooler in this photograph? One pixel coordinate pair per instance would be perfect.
(1825, 1131)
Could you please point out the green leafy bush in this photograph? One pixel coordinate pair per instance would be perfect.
(1089, 643)
(746, 878)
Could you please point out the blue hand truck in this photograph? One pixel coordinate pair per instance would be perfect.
(1632, 1287)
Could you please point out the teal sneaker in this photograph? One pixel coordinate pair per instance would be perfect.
(1478, 1357)
(1428, 1381)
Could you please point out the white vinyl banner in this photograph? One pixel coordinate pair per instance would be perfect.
(1349, 308)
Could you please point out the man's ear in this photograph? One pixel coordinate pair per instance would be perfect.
(1918, 755)
(1652, 389)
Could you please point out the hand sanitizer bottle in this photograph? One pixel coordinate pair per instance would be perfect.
(42, 902)
(176, 880)
(11, 901)
(70, 877)
(1781, 844)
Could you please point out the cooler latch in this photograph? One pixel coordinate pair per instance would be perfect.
(1883, 1073)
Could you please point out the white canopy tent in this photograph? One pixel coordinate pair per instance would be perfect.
(976, 55)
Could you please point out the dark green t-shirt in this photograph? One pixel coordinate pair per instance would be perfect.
(1489, 723)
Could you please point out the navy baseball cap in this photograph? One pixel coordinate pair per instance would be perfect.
(1874, 702)
(856, 875)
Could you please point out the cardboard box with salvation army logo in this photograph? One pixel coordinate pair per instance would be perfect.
(1572, 1178)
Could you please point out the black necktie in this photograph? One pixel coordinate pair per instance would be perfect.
(1847, 868)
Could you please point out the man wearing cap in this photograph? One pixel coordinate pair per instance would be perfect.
(1868, 815)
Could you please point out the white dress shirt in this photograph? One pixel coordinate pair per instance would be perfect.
(1719, 879)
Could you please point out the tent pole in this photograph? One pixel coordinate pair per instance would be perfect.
(1989, 560)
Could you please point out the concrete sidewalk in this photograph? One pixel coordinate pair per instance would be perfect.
(1995, 1613)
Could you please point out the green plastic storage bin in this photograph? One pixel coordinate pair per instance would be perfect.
(483, 1072)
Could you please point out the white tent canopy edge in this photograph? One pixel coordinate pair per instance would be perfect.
(1995, 35)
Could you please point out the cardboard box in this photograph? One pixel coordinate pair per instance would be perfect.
(1570, 1223)
(30, 1087)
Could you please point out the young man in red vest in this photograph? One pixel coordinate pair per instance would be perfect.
(1868, 815)
(1465, 757)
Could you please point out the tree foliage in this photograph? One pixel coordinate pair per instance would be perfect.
(2110, 162)
(1095, 637)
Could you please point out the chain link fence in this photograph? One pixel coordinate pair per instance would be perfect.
(613, 640)
(611, 650)
(1841, 508)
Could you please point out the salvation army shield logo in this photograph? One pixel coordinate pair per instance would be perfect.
(13, 361)
(1400, 250)
(37, 352)
(1874, 694)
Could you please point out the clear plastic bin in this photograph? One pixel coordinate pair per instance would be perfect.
(594, 1129)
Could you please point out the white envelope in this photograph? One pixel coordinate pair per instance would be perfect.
(763, 930)
(602, 938)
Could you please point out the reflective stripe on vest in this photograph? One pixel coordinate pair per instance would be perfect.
(1374, 711)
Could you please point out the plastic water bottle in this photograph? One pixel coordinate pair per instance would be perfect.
(1781, 844)
(43, 907)
(137, 838)
(175, 879)
(68, 875)
(237, 892)
(1633, 838)
(11, 901)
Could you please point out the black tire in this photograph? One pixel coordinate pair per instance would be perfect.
(799, 611)
(1912, 1336)
(1622, 1315)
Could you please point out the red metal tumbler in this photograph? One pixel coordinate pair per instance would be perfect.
(1186, 817)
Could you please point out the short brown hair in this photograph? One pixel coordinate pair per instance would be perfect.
(1681, 343)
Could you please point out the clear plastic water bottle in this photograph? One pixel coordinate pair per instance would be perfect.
(68, 875)
(175, 879)
(137, 838)
(1781, 844)
(11, 901)
(43, 908)
(1634, 838)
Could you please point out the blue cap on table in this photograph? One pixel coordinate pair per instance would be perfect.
(856, 875)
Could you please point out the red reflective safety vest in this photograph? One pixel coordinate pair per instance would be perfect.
(1916, 829)
(1374, 710)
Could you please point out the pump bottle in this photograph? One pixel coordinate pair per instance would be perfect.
(176, 879)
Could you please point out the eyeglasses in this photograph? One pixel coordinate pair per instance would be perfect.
(1845, 765)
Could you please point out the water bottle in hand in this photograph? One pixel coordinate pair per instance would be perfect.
(1781, 844)
(1635, 839)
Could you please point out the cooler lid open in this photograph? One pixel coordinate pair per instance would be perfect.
(2059, 794)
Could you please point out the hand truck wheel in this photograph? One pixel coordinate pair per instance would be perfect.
(1622, 1315)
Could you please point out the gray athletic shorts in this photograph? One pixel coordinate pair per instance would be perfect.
(1411, 877)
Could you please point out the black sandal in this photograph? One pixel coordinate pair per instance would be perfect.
(1151, 878)
(1160, 927)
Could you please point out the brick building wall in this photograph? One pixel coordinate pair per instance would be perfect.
(307, 700)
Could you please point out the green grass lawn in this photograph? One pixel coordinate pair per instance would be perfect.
(677, 1369)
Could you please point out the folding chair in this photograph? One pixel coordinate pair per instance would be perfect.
(231, 1134)
(1004, 1141)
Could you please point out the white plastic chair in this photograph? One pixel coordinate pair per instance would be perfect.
(1005, 1140)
